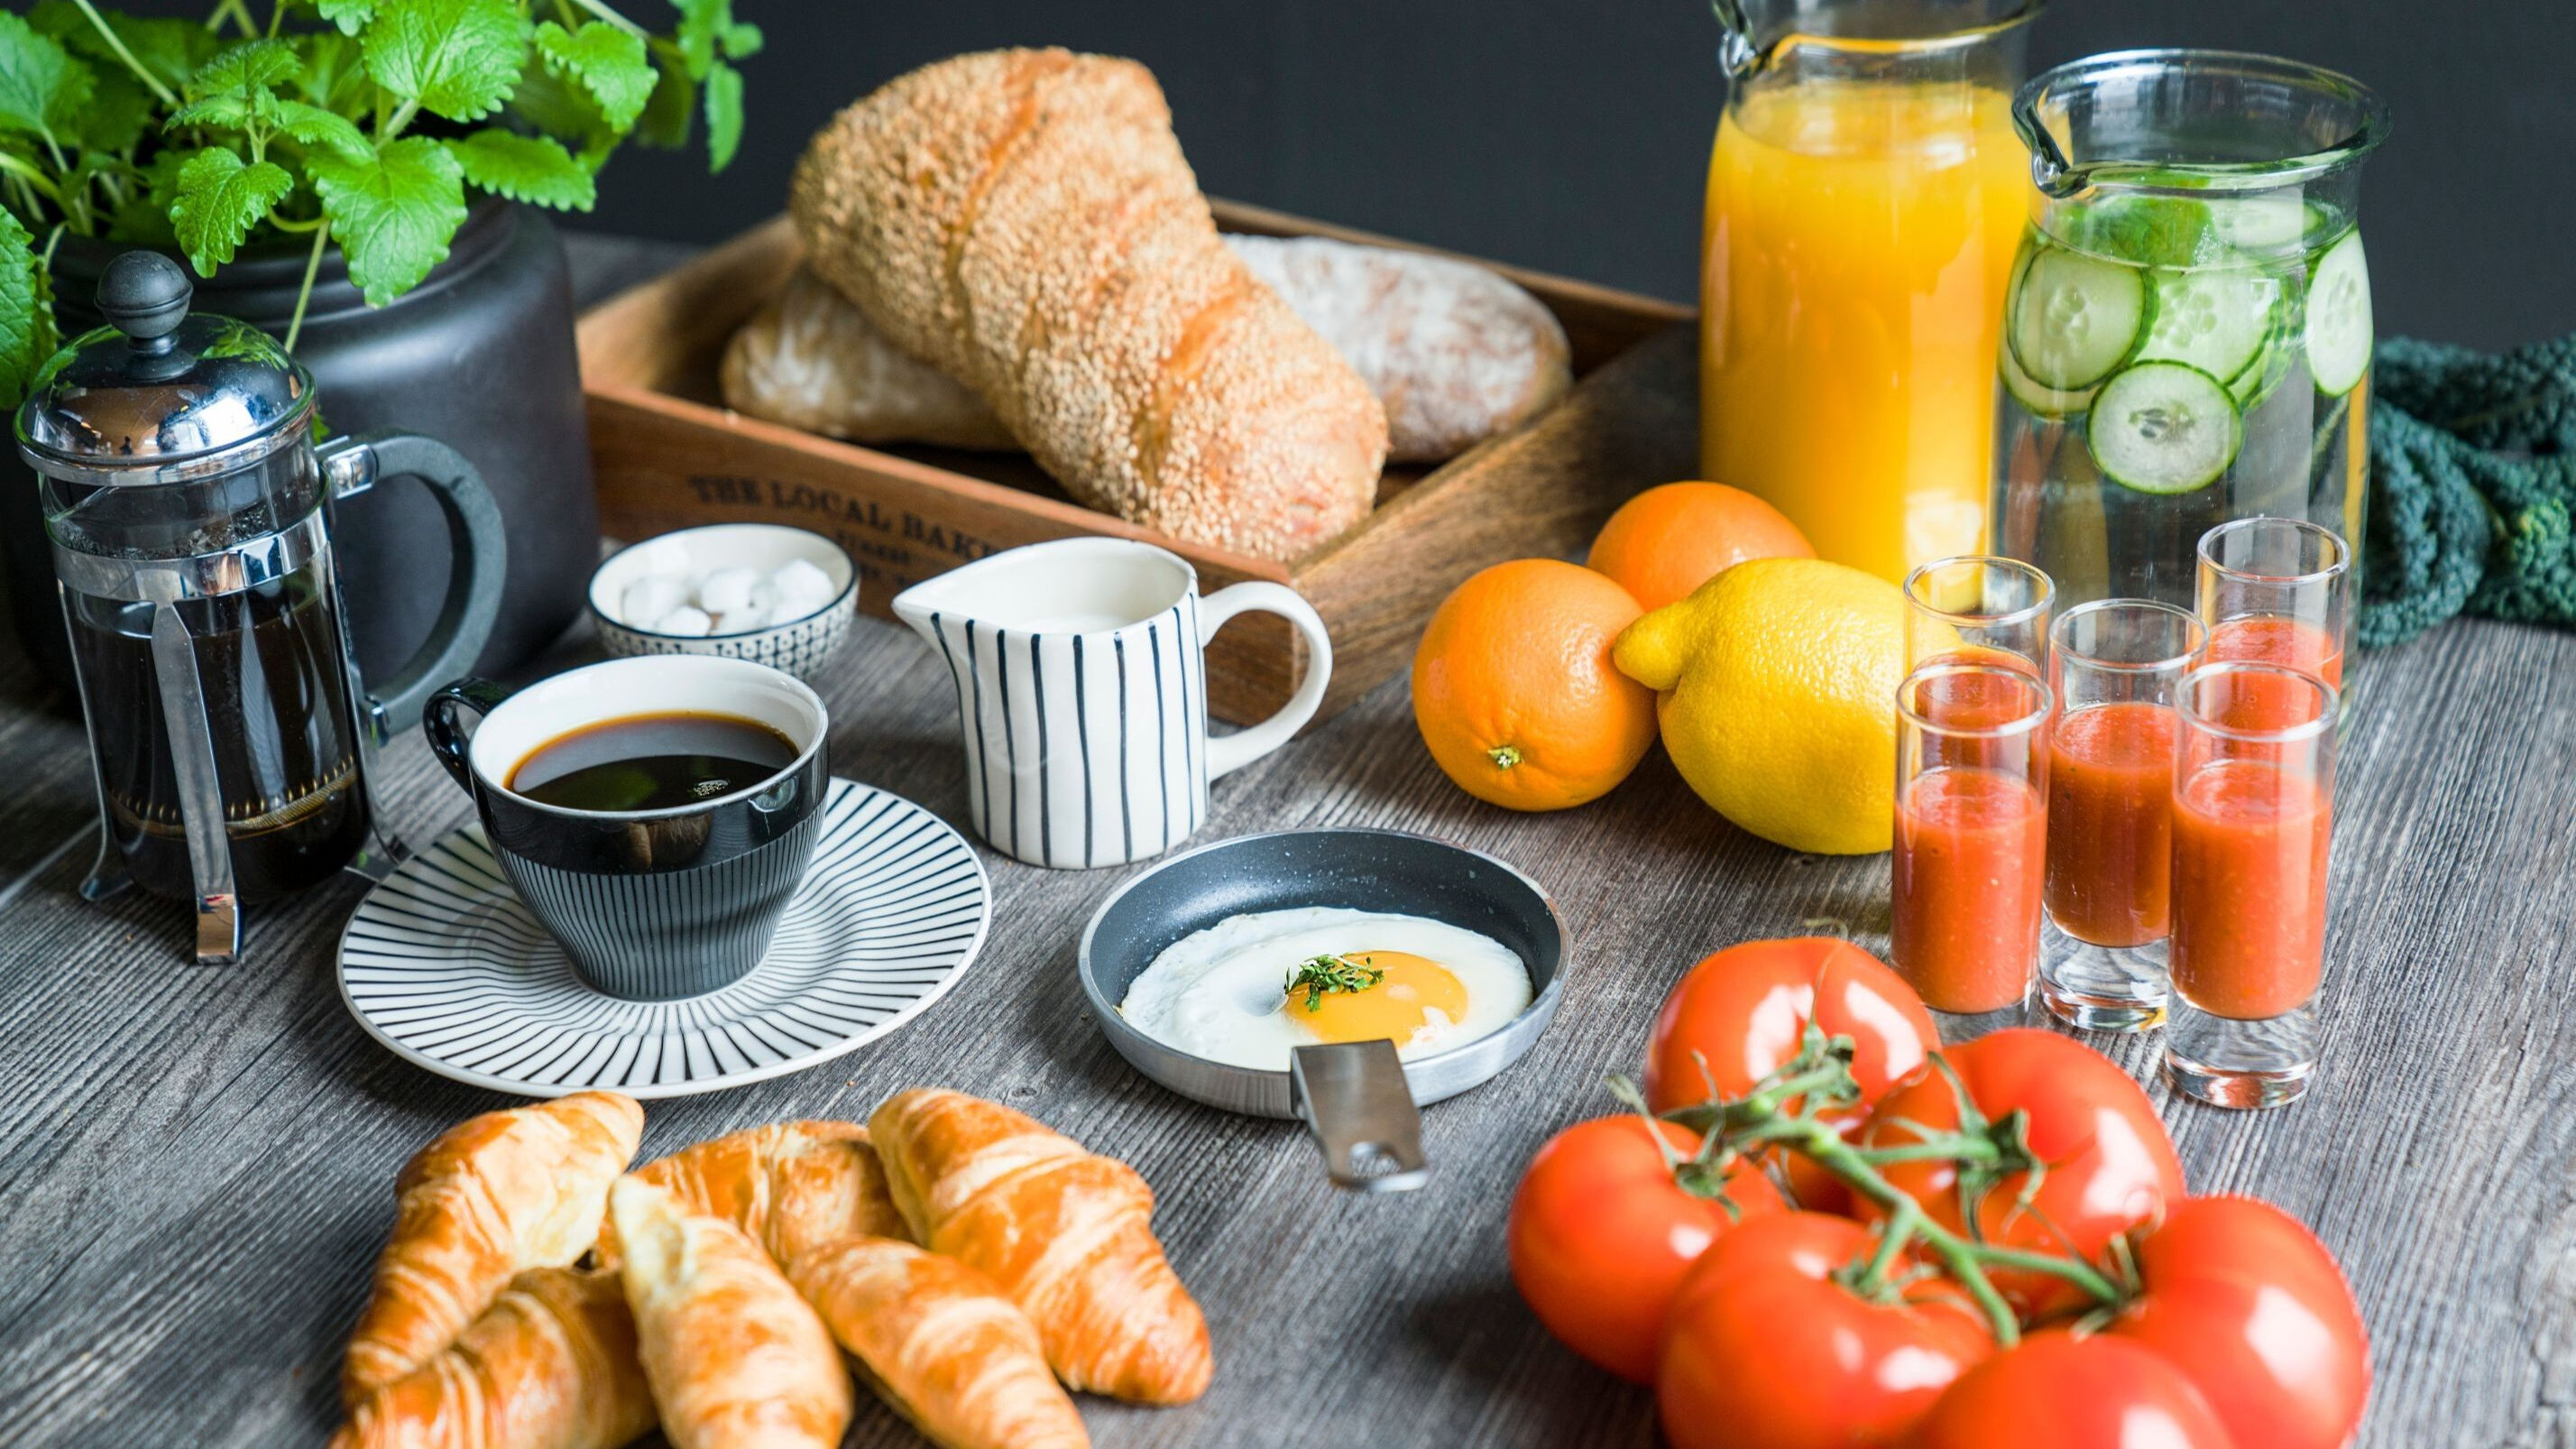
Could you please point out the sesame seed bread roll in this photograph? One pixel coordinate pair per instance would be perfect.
(1023, 220)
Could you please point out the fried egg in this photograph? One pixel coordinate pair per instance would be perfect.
(1223, 993)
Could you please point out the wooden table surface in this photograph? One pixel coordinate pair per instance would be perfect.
(195, 1163)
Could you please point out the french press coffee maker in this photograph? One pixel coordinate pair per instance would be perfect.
(187, 504)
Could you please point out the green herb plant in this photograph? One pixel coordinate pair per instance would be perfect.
(360, 122)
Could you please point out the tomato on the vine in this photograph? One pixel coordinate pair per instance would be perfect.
(1602, 1232)
(2074, 1393)
(1738, 1015)
(2109, 1165)
(1764, 1349)
(2244, 1300)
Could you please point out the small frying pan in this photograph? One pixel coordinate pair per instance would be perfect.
(1356, 1097)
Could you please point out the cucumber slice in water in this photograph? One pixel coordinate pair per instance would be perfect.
(2074, 318)
(2046, 402)
(2339, 327)
(2215, 320)
(2265, 372)
(2164, 427)
(2261, 222)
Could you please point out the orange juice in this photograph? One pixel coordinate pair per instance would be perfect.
(1859, 239)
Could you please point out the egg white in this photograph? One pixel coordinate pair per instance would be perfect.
(1218, 993)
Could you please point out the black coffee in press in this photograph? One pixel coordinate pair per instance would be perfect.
(652, 762)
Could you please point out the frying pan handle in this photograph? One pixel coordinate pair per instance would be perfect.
(1353, 1097)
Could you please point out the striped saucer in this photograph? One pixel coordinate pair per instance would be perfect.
(445, 966)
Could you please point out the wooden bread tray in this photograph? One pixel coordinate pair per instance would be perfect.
(668, 454)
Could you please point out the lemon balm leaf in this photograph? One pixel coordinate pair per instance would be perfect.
(41, 85)
(253, 65)
(671, 110)
(723, 101)
(350, 15)
(315, 126)
(455, 58)
(525, 168)
(393, 212)
(221, 197)
(25, 330)
(608, 62)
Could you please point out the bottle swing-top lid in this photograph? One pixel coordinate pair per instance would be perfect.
(160, 394)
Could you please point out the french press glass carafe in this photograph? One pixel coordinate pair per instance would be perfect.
(186, 501)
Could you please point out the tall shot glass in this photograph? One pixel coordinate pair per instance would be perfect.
(2253, 797)
(1971, 843)
(2279, 591)
(1978, 609)
(2115, 665)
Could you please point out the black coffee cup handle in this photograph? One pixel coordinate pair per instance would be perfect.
(447, 739)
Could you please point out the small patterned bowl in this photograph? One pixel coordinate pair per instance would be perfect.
(801, 647)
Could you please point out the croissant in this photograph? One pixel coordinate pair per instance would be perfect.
(1023, 221)
(736, 1359)
(550, 1365)
(789, 1186)
(940, 1343)
(492, 1196)
(1066, 1233)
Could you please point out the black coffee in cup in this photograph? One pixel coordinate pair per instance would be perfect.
(656, 814)
(652, 762)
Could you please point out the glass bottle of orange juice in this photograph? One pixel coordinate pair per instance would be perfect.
(1864, 203)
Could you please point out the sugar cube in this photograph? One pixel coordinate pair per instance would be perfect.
(800, 581)
(649, 598)
(726, 590)
(688, 620)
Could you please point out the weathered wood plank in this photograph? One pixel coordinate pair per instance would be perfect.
(195, 1164)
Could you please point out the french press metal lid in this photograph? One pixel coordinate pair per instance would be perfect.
(231, 739)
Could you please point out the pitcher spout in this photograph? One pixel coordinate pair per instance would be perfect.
(916, 606)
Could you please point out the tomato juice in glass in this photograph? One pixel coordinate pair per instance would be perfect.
(2290, 643)
(2260, 702)
(2252, 820)
(2249, 875)
(1976, 610)
(1865, 197)
(1971, 846)
(2115, 665)
(2110, 811)
(2276, 591)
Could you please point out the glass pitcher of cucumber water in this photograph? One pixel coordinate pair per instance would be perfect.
(2187, 327)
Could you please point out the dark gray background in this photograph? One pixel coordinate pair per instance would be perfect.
(1572, 135)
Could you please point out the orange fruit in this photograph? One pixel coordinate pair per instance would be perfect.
(1515, 693)
(1667, 541)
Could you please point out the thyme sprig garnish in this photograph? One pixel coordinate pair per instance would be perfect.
(1317, 975)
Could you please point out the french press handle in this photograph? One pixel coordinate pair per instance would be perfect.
(479, 550)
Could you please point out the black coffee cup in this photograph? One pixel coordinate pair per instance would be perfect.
(651, 905)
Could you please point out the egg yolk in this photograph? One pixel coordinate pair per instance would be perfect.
(1394, 1008)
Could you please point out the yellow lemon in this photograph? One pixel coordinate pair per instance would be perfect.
(1776, 688)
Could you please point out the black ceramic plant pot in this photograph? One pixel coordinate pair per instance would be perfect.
(479, 355)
